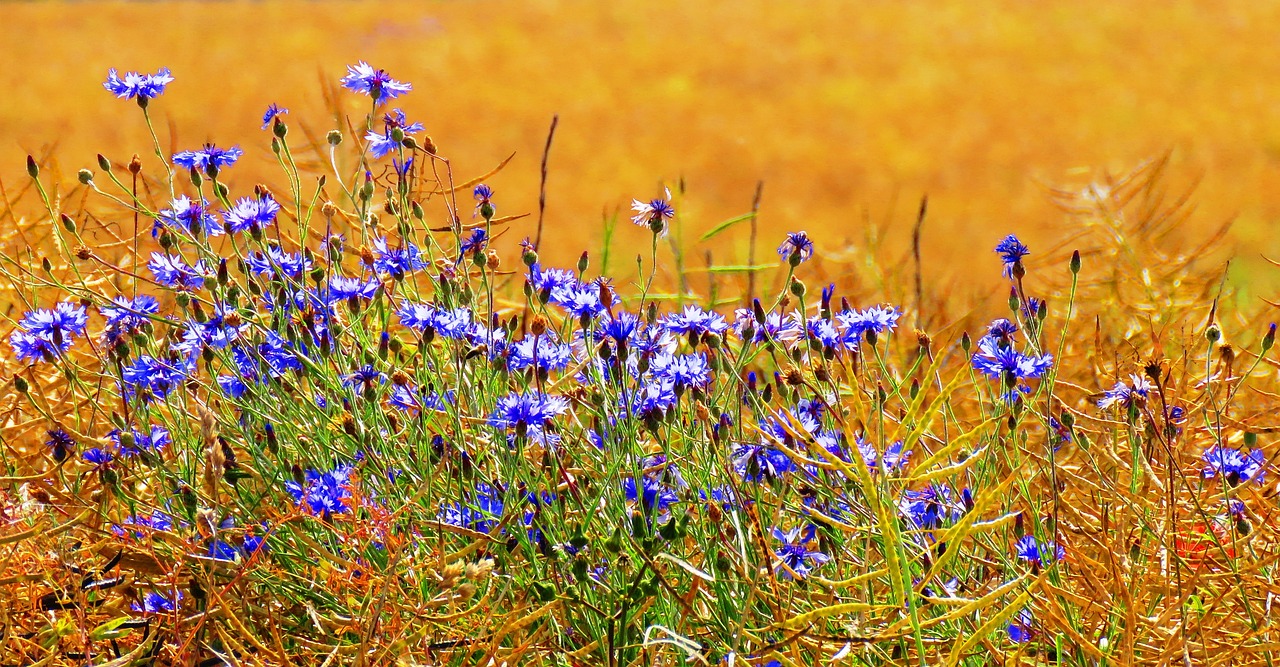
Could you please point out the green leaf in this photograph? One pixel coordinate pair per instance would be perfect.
(727, 224)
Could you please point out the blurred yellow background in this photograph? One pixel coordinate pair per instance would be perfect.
(848, 111)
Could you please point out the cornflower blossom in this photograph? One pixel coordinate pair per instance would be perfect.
(190, 216)
(157, 521)
(483, 195)
(382, 143)
(775, 327)
(452, 324)
(482, 515)
(1126, 395)
(619, 328)
(796, 249)
(292, 265)
(541, 352)
(44, 334)
(98, 457)
(172, 271)
(695, 322)
(273, 111)
(154, 376)
(761, 462)
(892, 461)
(396, 262)
(365, 378)
(876, 319)
(1234, 465)
(930, 507)
(1031, 551)
(581, 300)
(1021, 628)
(129, 314)
(414, 400)
(60, 444)
(323, 493)
(377, 84)
(153, 439)
(1012, 251)
(654, 214)
(550, 284)
(209, 157)
(474, 243)
(686, 370)
(1000, 360)
(797, 560)
(652, 399)
(157, 603)
(342, 288)
(821, 330)
(252, 213)
(525, 412)
(134, 85)
(653, 495)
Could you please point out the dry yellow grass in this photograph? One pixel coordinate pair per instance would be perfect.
(847, 111)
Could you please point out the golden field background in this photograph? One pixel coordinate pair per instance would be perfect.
(848, 111)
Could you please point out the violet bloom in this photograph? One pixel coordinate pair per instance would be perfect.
(795, 554)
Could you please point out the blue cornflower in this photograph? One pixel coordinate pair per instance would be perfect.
(208, 157)
(877, 319)
(271, 113)
(695, 322)
(1021, 628)
(325, 493)
(893, 460)
(34, 348)
(154, 439)
(474, 243)
(364, 378)
(342, 288)
(133, 84)
(156, 377)
(1012, 251)
(796, 249)
(363, 78)
(581, 299)
(97, 456)
(620, 327)
(1126, 395)
(821, 330)
(128, 314)
(540, 351)
(60, 444)
(219, 550)
(653, 495)
(929, 507)
(251, 213)
(157, 521)
(171, 271)
(483, 195)
(797, 561)
(1031, 551)
(654, 214)
(411, 400)
(760, 462)
(1235, 465)
(454, 324)
(482, 516)
(402, 168)
(524, 412)
(1004, 362)
(156, 603)
(292, 265)
(653, 399)
(550, 282)
(775, 327)
(190, 216)
(380, 144)
(686, 370)
(396, 261)
(65, 320)
(1002, 330)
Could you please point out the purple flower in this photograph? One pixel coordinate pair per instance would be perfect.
(208, 157)
(1002, 361)
(687, 370)
(380, 144)
(1020, 628)
(694, 321)
(930, 507)
(523, 412)
(1126, 395)
(342, 288)
(133, 84)
(796, 249)
(797, 561)
(483, 195)
(540, 351)
(60, 444)
(876, 319)
(362, 78)
(292, 265)
(654, 214)
(1012, 251)
(156, 603)
(97, 456)
(775, 327)
(397, 262)
(64, 321)
(761, 462)
(324, 493)
(171, 271)
(1236, 466)
(271, 113)
(190, 216)
(156, 377)
(474, 243)
(364, 378)
(1031, 551)
(251, 213)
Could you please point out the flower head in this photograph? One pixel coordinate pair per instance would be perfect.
(1012, 251)
(323, 493)
(1032, 551)
(796, 249)
(252, 213)
(796, 559)
(654, 214)
(525, 412)
(190, 216)
(271, 113)
(363, 78)
(1126, 395)
(135, 85)
(380, 144)
(208, 157)
(1235, 465)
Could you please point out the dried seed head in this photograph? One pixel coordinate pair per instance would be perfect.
(479, 570)
(538, 326)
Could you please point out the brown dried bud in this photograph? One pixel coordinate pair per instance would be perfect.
(538, 326)
(428, 145)
(329, 209)
(366, 255)
(400, 378)
(794, 377)
(923, 340)
(83, 253)
(135, 165)
(263, 191)
(232, 319)
(492, 261)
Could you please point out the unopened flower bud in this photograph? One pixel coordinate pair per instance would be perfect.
(334, 138)
(85, 176)
(103, 163)
(33, 169)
